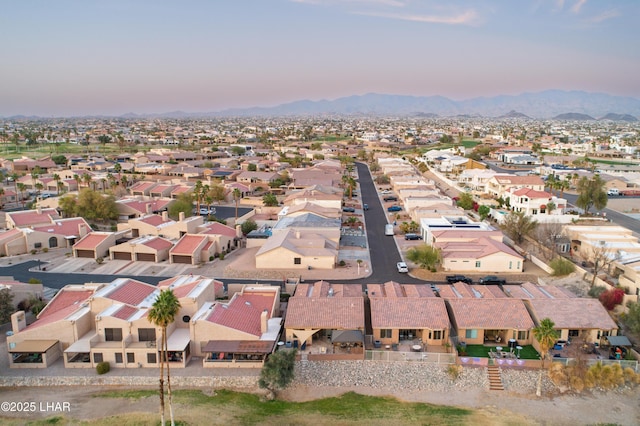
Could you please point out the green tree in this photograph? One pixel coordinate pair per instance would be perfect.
(68, 204)
(546, 336)
(425, 256)
(162, 314)
(93, 205)
(518, 226)
(248, 226)
(631, 318)
(465, 201)
(252, 167)
(236, 197)
(484, 211)
(278, 371)
(60, 160)
(238, 150)
(6, 305)
(270, 200)
(22, 188)
(183, 204)
(591, 193)
(217, 192)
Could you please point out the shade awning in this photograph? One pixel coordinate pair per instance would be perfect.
(240, 346)
(82, 345)
(178, 340)
(32, 346)
(618, 341)
(347, 336)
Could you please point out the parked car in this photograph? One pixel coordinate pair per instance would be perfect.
(348, 209)
(492, 280)
(412, 237)
(390, 198)
(402, 267)
(206, 211)
(395, 209)
(386, 191)
(365, 207)
(452, 279)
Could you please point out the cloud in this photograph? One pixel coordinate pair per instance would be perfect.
(608, 14)
(469, 17)
(578, 5)
(394, 3)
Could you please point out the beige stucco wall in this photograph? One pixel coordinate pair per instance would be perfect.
(281, 258)
(495, 263)
(202, 331)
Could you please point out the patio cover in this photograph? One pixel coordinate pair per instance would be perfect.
(82, 345)
(178, 340)
(33, 346)
(347, 336)
(240, 346)
(618, 341)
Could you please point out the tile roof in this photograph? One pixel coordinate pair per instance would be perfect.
(130, 291)
(574, 313)
(67, 227)
(125, 312)
(518, 180)
(32, 217)
(153, 220)
(188, 244)
(501, 313)
(428, 312)
(217, 228)
(62, 305)
(393, 289)
(532, 194)
(243, 312)
(91, 240)
(158, 243)
(474, 249)
(341, 313)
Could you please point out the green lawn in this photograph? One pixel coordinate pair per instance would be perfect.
(467, 143)
(481, 351)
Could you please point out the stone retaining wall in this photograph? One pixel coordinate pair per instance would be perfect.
(233, 382)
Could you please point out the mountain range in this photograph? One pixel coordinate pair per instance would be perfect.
(567, 105)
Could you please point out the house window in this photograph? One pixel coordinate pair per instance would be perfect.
(297, 260)
(523, 335)
(518, 265)
(534, 211)
(113, 334)
(151, 358)
(97, 357)
(146, 334)
(37, 245)
(53, 242)
(471, 334)
(510, 264)
(385, 333)
(477, 263)
(437, 334)
(131, 357)
(574, 333)
(118, 358)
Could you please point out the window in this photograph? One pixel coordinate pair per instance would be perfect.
(574, 333)
(97, 357)
(510, 264)
(151, 358)
(113, 334)
(385, 333)
(37, 245)
(437, 334)
(297, 260)
(477, 263)
(523, 335)
(131, 357)
(118, 358)
(471, 334)
(53, 242)
(147, 334)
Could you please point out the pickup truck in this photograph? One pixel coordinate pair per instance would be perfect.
(390, 198)
(452, 279)
(492, 280)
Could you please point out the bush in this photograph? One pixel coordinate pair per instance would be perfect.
(211, 258)
(99, 260)
(342, 263)
(45, 250)
(561, 267)
(33, 251)
(34, 281)
(222, 254)
(454, 371)
(596, 291)
(611, 298)
(103, 368)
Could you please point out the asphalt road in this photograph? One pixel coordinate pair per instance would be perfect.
(615, 217)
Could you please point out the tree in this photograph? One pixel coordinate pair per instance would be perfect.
(612, 298)
(425, 256)
(601, 255)
(631, 318)
(248, 226)
(484, 211)
(252, 167)
(183, 204)
(236, 197)
(162, 313)
(278, 371)
(217, 192)
(518, 226)
(22, 188)
(546, 336)
(93, 205)
(6, 305)
(60, 160)
(547, 234)
(465, 201)
(270, 200)
(68, 204)
(591, 193)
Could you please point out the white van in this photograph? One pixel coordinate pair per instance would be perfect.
(388, 229)
(613, 191)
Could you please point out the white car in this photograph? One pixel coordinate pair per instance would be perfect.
(402, 267)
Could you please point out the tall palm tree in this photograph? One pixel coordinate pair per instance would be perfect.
(197, 194)
(57, 179)
(162, 313)
(1, 198)
(546, 336)
(236, 197)
(22, 188)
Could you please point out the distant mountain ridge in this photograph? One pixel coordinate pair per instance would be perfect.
(539, 105)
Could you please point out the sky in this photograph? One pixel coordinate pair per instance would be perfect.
(111, 57)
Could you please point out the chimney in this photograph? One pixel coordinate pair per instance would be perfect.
(165, 215)
(82, 230)
(39, 209)
(18, 322)
(263, 321)
(148, 208)
(238, 231)
(181, 216)
(297, 235)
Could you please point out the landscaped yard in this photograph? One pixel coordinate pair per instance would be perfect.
(481, 351)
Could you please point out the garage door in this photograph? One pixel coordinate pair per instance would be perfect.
(182, 259)
(146, 257)
(85, 253)
(121, 255)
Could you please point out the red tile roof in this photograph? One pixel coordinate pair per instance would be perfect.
(32, 217)
(533, 194)
(428, 312)
(574, 313)
(243, 312)
(153, 220)
(131, 292)
(67, 227)
(63, 304)
(125, 312)
(490, 314)
(217, 228)
(158, 244)
(340, 313)
(90, 241)
(188, 244)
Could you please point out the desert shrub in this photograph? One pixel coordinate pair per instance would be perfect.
(561, 267)
(103, 368)
(342, 263)
(596, 291)
(99, 260)
(222, 254)
(45, 250)
(454, 371)
(611, 298)
(33, 251)
(34, 281)
(211, 258)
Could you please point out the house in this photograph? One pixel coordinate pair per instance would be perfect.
(28, 218)
(162, 226)
(325, 196)
(406, 312)
(223, 237)
(322, 311)
(539, 205)
(498, 185)
(479, 254)
(239, 333)
(147, 248)
(94, 245)
(129, 208)
(297, 250)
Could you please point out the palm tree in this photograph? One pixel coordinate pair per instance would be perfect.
(236, 196)
(87, 179)
(22, 188)
(546, 336)
(57, 179)
(197, 194)
(162, 313)
(1, 198)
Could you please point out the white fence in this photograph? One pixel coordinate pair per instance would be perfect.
(432, 357)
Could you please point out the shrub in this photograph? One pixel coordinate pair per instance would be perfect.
(596, 291)
(45, 250)
(211, 258)
(611, 298)
(222, 254)
(561, 267)
(103, 368)
(33, 251)
(454, 371)
(342, 263)
(99, 260)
